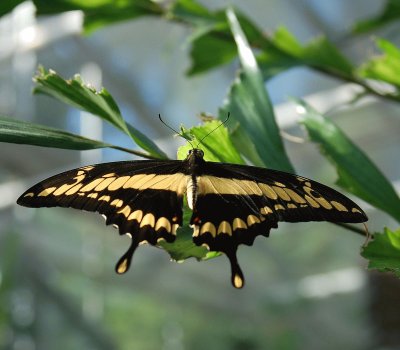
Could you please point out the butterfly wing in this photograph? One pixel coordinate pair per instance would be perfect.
(141, 198)
(236, 203)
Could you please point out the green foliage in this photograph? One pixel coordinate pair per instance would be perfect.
(385, 67)
(8, 5)
(100, 103)
(17, 131)
(251, 108)
(319, 53)
(390, 13)
(99, 13)
(357, 173)
(215, 142)
(183, 247)
(383, 252)
(219, 37)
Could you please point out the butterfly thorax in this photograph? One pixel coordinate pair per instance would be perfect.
(195, 161)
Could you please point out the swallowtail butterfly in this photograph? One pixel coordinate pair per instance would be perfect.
(231, 204)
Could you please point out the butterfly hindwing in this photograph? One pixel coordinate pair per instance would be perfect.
(141, 198)
(236, 203)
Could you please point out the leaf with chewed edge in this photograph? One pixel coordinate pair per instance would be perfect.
(383, 252)
(99, 103)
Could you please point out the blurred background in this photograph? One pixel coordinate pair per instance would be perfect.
(307, 287)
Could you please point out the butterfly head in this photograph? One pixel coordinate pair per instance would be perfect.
(195, 154)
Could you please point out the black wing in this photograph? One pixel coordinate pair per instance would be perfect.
(141, 198)
(236, 203)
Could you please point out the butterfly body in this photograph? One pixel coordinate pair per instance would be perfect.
(231, 204)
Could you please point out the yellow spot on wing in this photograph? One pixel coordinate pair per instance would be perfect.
(30, 194)
(136, 215)
(175, 182)
(117, 203)
(91, 185)
(122, 267)
(238, 281)
(46, 192)
(92, 195)
(266, 210)
(355, 210)
(125, 211)
(292, 206)
(238, 224)
(268, 191)
(208, 227)
(163, 223)
(118, 183)
(73, 190)
(109, 175)
(324, 203)
(174, 228)
(294, 196)
(281, 193)
(225, 227)
(102, 186)
(311, 201)
(339, 206)
(279, 207)
(252, 219)
(105, 198)
(148, 219)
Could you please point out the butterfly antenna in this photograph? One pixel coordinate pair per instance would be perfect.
(171, 128)
(222, 123)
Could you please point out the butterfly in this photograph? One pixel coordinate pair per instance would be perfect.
(231, 204)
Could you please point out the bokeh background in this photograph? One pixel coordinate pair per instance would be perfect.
(307, 287)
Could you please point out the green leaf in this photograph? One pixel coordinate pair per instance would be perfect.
(223, 52)
(357, 173)
(7, 6)
(318, 53)
(100, 103)
(385, 67)
(99, 13)
(17, 131)
(383, 252)
(183, 247)
(390, 13)
(217, 146)
(251, 110)
(211, 34)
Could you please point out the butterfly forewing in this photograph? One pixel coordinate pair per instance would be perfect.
(141, 198)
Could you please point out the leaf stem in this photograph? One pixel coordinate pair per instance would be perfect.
(354, 229)
(136, 153)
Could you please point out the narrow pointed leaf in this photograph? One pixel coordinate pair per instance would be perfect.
(100, 103)
(17, 131)
(250, 107)
(383, 252)
(99, 13)
(357, 173)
